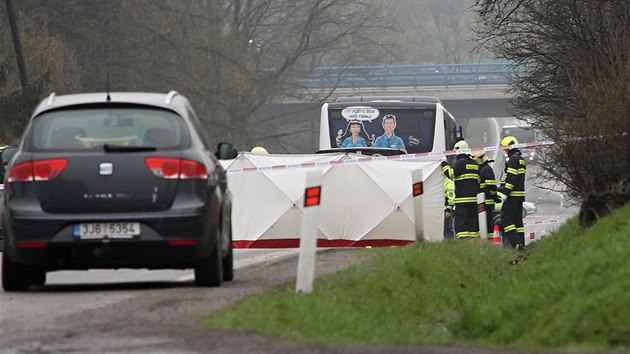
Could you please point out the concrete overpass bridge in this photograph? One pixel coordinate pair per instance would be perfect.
(470, 91)
(467, 90)
(462, 103)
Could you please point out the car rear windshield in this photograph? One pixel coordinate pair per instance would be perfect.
(84, 129)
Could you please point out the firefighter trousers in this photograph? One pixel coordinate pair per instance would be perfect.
(512, 224)
(466, 221)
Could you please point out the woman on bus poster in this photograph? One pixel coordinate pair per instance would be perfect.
(353, 138)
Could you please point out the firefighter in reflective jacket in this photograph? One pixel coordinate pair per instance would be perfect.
(511, 195)
(466, 188)
(487, 185)
(449, 200)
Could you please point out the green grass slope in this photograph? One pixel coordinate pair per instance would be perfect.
(570, 292)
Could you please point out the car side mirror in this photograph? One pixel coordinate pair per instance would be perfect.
(226, 151)
(7, 154)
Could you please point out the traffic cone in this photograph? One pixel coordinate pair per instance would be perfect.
(496, 237)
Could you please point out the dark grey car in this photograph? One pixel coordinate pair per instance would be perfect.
(116, 180)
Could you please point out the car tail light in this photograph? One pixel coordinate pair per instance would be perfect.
(21, 173)
(41, 170)
(193, 170)
(170, 168)
(163, 167)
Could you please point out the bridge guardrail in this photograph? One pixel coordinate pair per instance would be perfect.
(433, 76)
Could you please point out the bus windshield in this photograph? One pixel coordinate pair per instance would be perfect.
(414, 126)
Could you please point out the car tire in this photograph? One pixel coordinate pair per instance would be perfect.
(14, 276)
(38, 277)
(208, 271)
(228, 263)
(228, 260)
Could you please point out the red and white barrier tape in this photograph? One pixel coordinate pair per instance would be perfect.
(422, 155)
(532, 235)
(545, 222)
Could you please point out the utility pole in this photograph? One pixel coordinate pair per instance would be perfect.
(15, 35)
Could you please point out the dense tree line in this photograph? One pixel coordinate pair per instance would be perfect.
(577, 90)
(228, 56)
(47, 57)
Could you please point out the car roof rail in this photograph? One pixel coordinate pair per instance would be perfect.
(51, 99)
(170, 96)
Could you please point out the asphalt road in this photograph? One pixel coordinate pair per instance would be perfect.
(71, 292)
(136, 311)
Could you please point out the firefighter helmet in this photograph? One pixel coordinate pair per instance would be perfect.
(260, 150)
(461, 145)
(509, 140)
(480, 157)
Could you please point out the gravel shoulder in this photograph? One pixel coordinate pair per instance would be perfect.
(168, 320)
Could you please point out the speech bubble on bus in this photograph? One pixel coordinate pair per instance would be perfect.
(360, 113)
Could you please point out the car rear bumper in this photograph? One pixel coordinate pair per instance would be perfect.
(165, 241)
(108, 255)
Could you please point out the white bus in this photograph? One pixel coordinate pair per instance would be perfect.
(421, 122)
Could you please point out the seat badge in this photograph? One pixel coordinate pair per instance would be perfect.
(106, 169)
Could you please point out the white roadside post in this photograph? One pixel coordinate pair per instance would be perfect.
(481, 214)
(308, 238)
(417, 192)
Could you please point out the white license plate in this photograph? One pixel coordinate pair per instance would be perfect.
(99, 230)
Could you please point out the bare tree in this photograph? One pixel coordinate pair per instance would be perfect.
(435, 31)
(43, 58)
(228, 56)
(268, 44)
(576, 89)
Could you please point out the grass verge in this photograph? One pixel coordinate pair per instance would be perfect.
(569, 292)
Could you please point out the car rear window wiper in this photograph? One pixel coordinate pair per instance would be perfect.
(121, 148)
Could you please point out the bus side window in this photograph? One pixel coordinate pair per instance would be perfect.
(450, 132)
